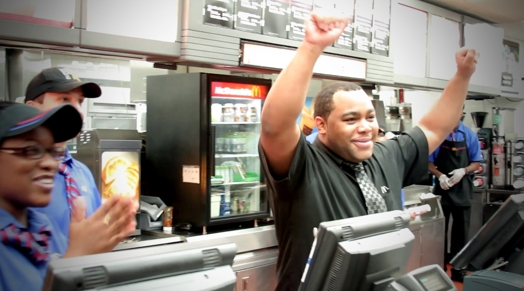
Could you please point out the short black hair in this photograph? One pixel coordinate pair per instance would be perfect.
(324, 99)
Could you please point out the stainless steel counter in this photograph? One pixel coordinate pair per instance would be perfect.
(257, 247)
(148, 239)
(428, 229)
(247, 240)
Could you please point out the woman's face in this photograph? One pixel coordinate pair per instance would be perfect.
(25, 180)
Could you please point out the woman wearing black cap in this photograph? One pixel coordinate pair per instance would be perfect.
(28, 163)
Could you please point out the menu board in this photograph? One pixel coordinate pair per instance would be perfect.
(248, 16)
(142, 19)
(344, 8)
(362, 25)
(276, 18)
(510, 65)
(410, 41)
(381, 17)
(486, 40)
(59, 13)
(444, 42)
(300, 10)
(219, 12)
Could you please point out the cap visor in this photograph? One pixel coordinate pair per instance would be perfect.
(89, 89)
(64, 121)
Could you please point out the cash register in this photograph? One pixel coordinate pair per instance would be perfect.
(495, 253)
(427, 278)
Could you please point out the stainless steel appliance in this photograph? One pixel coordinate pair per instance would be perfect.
(503, 122)
(405, 116)
(516, 164)
(393, 120)
(482, 178)
(202, 147)
(113, 156)
(380, 110)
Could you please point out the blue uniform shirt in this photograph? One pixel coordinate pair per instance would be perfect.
(17, 272)
(472, 141)
(58, 209)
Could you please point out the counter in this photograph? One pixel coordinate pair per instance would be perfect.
(257, 247)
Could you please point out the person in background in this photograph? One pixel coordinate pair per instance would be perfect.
(50, 88)
(452, 163)
(344, 173)
(29, 160)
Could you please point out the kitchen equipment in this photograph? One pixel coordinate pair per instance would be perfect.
(380, 111)
(482, 177)
(515, 162)
(405, 116)
(499, 163)
(141, 115)
(503, 122)
(113, 156)
(201, 164)
(393, 119)
(151, 216)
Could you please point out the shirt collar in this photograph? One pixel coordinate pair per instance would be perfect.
(68, 158)
(336, 158)
(460, 128)
(35, 220)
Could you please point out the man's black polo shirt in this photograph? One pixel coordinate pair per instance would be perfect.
(320, 186)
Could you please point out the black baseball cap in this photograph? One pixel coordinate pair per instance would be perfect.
(65, 122)
(59, 80)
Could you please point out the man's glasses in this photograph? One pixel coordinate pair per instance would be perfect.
(36, 152)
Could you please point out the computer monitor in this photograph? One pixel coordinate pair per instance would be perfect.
(185, 266)
(361, 253)
(502, 236)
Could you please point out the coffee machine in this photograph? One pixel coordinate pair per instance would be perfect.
(482, 178)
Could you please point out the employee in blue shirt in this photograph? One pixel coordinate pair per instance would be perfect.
(28, 162)
(29, 159)
(452, 163)
(50, 88)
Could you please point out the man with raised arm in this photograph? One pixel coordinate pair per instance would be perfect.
(344, 173)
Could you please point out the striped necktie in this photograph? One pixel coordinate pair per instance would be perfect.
(71, 186)
(375, 203)
(35, 246)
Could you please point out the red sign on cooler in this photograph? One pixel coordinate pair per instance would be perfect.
(238, 90)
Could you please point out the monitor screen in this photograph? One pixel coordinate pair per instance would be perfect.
(360, 253)
(499, 237)
(184, 266)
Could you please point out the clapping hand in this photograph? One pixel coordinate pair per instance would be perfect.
(102, 231)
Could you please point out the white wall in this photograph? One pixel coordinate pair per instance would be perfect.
(422, 101)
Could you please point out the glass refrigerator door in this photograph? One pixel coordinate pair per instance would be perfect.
(237, 185)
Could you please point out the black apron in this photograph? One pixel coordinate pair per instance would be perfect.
(456, 201)
(454, 155)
